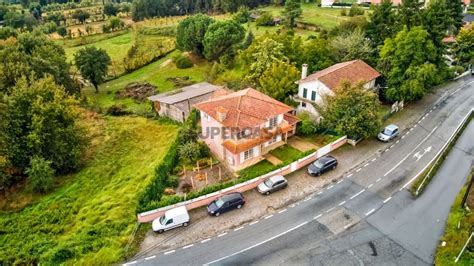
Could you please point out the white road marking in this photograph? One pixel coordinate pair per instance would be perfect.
(223, 234)
(408, 132)
(409, 154)
(188, 246)
(347, 226)
(358, 170)
(358, 193)
(373, 160)
(378, 180)
(269, 216)
(371, 185)
(318, 216)
(403, 136)
(339, 181)
(331, 186)
(397, 141)
(132, 262)
(369, 212)
(342, 203)
(238, 228)
(282, 211)
(415, 125)
(387, 199)
(169, 252)
(367, 164)
(328, 211)
(350, 175)
(150, 258)
(320, 192)
(205, 240)
(308, 198)
(258, 244)
(252, 223)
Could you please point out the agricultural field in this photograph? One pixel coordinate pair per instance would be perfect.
(90, 218)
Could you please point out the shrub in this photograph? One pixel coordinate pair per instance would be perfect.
(40, 175)
(173, 181)
(308, 125)
(190, 151)
(356, 11)
(265, 19)
(242, 15)
(343, 12)
(117, 110)
(182, 61)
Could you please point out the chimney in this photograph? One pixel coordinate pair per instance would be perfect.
(221, 113)
(304, 71)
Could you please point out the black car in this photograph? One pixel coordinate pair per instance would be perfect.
(322, 165)
(226, 203)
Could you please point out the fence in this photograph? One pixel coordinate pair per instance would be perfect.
(245, 186)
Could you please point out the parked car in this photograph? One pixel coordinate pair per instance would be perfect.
(173, 218)
(388, 133)
(272, 184)
(322, 165)
(226, 203)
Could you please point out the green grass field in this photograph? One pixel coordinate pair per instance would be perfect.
(90, 219)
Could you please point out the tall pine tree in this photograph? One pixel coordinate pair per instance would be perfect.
(410, 13)
(382, 23)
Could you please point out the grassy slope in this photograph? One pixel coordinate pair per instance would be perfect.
(90, 219)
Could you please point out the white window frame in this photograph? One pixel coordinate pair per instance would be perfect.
(248, 154)
(273, 122)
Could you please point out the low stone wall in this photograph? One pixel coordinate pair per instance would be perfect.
(245, 186)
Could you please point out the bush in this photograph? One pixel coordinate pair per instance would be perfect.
(265, 19)
(356, 11)
(190, 151)
(242, 15)
(40, 175)
(182, 61)
(343, 12)
(173, 181)
(117, 110)
(308, 126)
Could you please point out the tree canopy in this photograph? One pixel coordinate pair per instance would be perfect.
(93, 64)
(464, 46)
(190, 33)
(221, 39)
(292, 12)
(278, 81)
(382, 23)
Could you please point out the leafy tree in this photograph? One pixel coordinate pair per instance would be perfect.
(308, 124)
(435, 20)
(41, 120)
(3, 11)
(7, 32)
(93, 64)
(455, 14)
(56, 17)
(242, 15)
(348, 26)
(292, 12)
(190, 151)
(278, 81)
(221, 38)
(351, 46)
(409, 63)
(190, 33)
(33, 56)
(260, 55)
(110, 9)
(264, 19)
(40, 174)
(352, 111)
(62, 31)
(14, 20)
(382, 24)
(317, 54)
(81, 15)
(464, 46)
(409, 13)
(355, 10)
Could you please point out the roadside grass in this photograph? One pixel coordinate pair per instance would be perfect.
(91, 218)
(286, 153)
(155, 73)
(454, 236)
(320, 140)
(431, 170)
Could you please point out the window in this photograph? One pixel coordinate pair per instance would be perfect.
(273, 140)
(273, 122)
(313, 96)
(206, 116)
(303, 104)
(305, 93)
(248, 154)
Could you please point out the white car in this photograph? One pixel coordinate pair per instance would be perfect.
(388, 133)
(173, 218)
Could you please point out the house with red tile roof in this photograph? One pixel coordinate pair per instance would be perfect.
(312, 88)
(241, 127)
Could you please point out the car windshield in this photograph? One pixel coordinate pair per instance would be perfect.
(318, 164)
(163, 220)
(268, 183)
(387, 132)
(219, 203)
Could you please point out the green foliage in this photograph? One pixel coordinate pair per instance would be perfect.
(317, 54)
(352, 111)
(7, 32)
(292, 12)
(242, 15)
(264, 19)
(113, 24)
(33, 56)
(81, 15)
(455, 14)
(93, 64)
(382, 23)
(221, 38)
(464, 46)
(62, 31)
(182, 61)
(278, 81)
(41, 120)
(189, 152)
(40, 175)
(409, 13)
(307, 126)
(110, 9)
(355, 10)
(190, 33)
(351, 46)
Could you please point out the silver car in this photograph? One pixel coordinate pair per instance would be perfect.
(388, 133)
(272, 184)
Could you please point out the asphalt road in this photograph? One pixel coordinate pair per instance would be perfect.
(368, 216)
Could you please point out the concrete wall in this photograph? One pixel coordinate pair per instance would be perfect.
(180, 111)
(246, 186)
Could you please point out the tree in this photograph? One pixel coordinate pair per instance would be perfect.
(41, 120)
(308, 125)
(382, 24)
(409, 63)
(352, 111)
(435, 21)
(93, 64)
(455, 14)
(221, 38)
(317, 54)
(81, 15)
(351, 46)
(62, 31)
(190, 33)
(110, 9)
(7, 32)
(242, 15)
(278, 81)
(292, 12)
(409, 13)
(14, 20)
(355, 10)
(464, 46)
(264, 19)
(40, 175)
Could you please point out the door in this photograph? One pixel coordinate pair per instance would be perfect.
(170, 224)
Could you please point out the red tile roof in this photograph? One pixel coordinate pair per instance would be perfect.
(352, 71)
(245, 108)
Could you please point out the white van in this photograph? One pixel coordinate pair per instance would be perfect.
(173, 218)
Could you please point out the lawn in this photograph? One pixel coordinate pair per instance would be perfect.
(91, 218)
(155, 73)
(286, 154)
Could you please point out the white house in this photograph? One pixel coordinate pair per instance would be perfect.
(312, 88)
